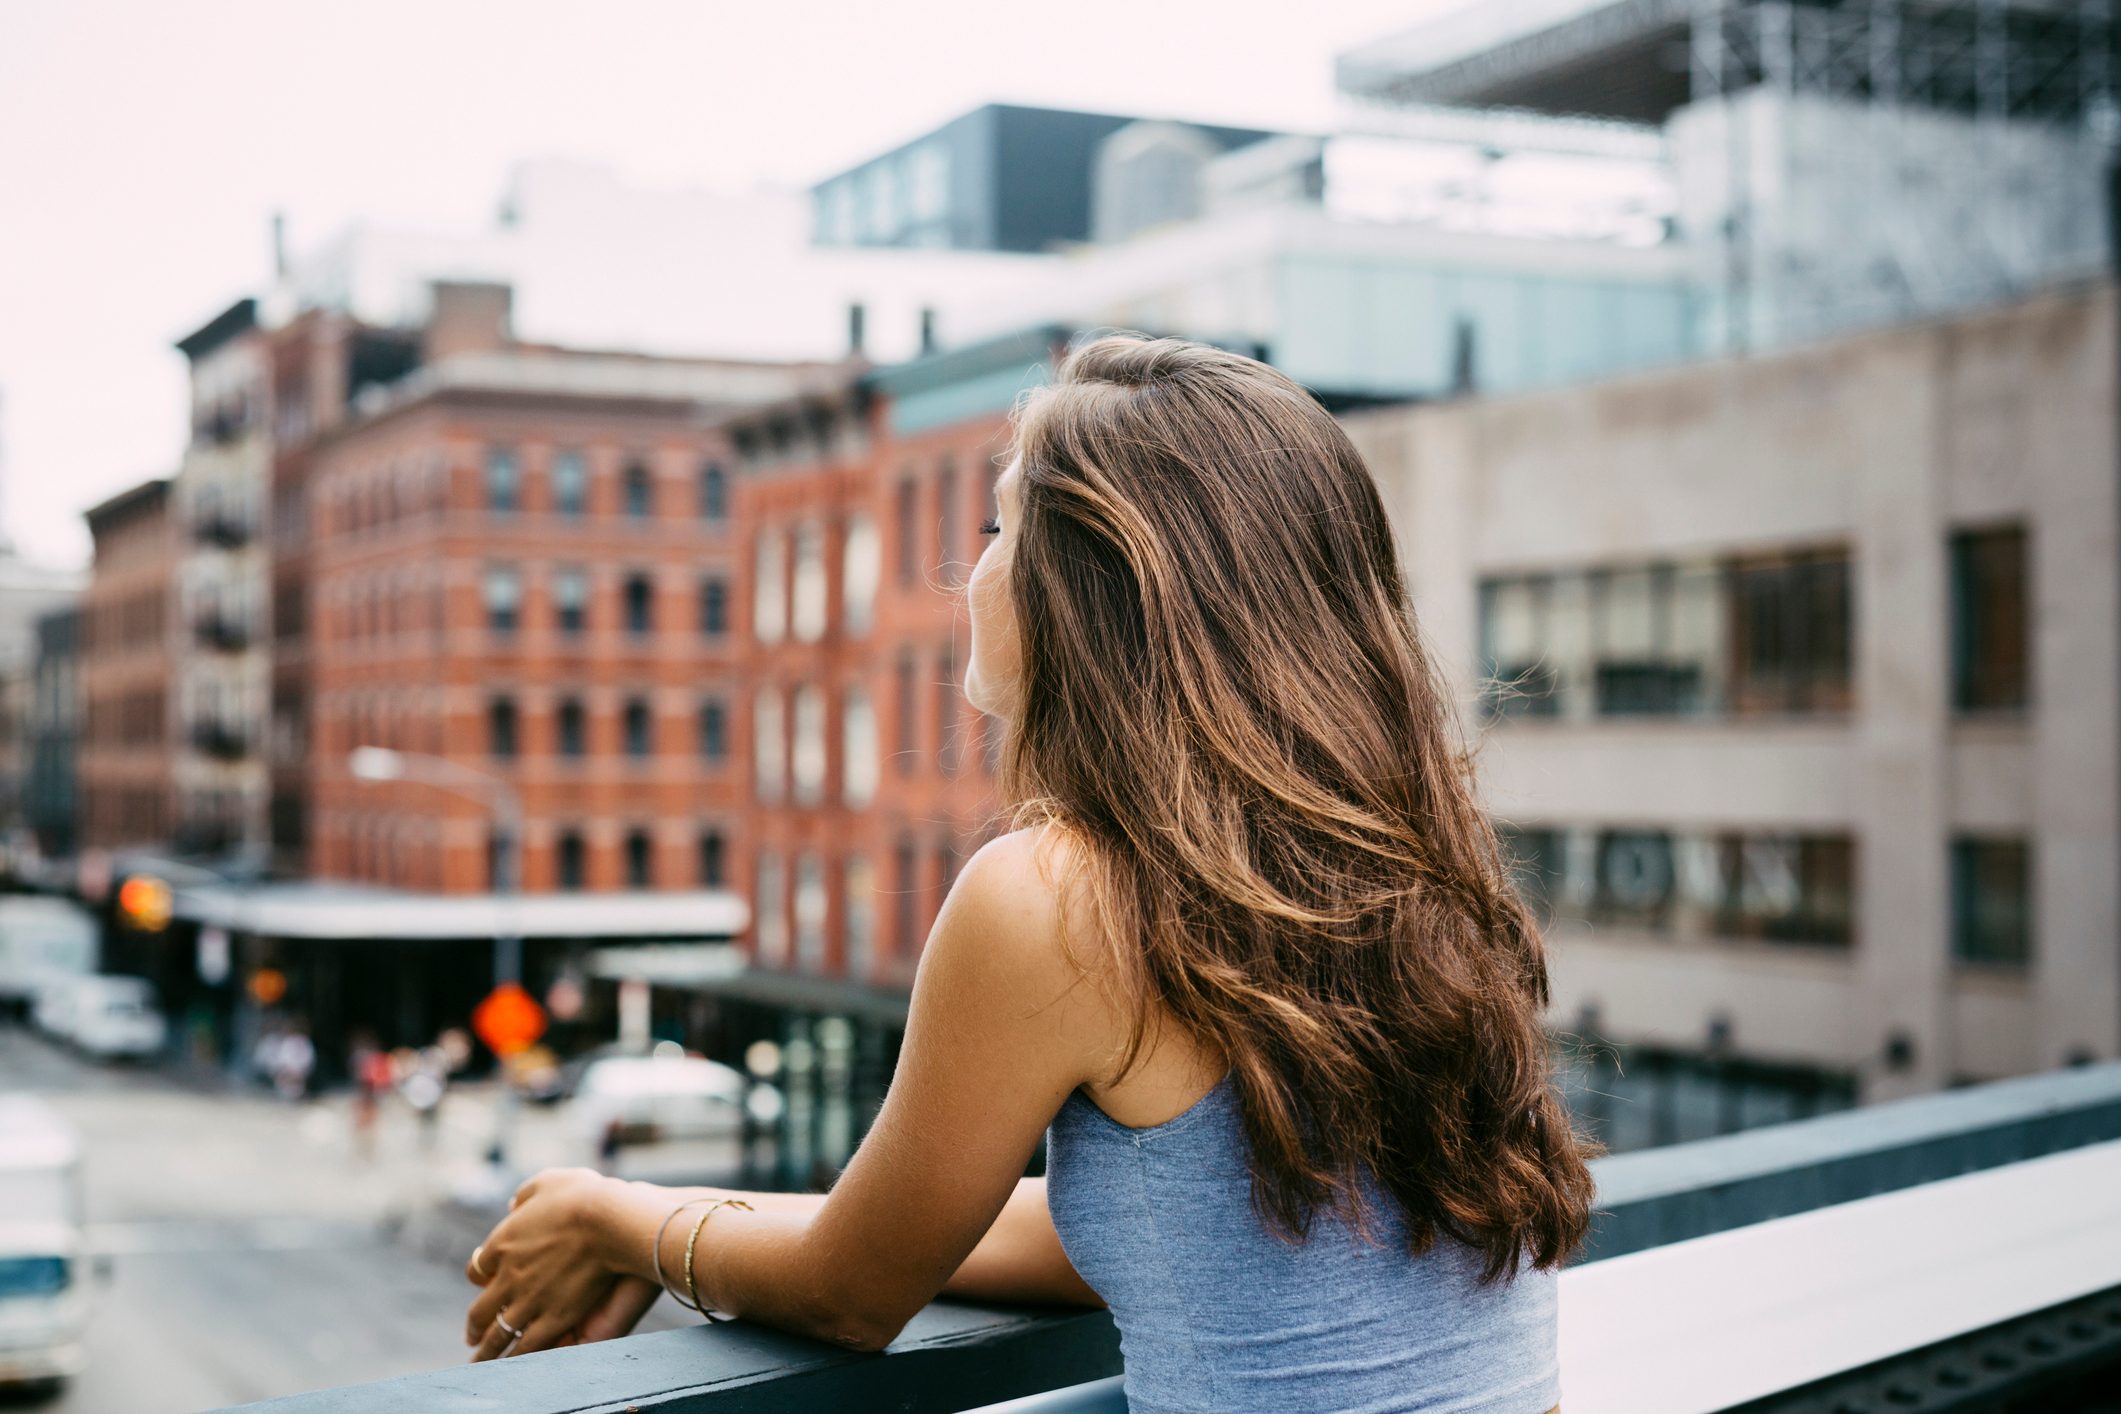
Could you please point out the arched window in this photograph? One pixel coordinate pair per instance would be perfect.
(714, 492)
(569, 861)
(638, 490)
(640, 729)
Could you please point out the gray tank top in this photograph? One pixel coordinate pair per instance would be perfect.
(1217, 1313)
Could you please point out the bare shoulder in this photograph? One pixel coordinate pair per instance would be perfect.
(1028, 881)
(1019, 913)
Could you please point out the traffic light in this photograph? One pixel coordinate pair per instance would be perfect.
(144, 904)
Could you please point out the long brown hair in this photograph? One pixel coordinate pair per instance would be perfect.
(1226, 704)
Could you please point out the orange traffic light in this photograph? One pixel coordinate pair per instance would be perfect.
(144, 903)
(267, 985)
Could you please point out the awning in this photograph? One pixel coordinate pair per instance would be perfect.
(359, 913)
(790, 991)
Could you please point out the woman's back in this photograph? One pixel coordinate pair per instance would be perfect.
(1215, 1312)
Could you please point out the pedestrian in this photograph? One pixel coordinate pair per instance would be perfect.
(293, 1059)
(370, 1069)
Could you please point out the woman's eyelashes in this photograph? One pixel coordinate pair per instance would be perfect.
(990, 526)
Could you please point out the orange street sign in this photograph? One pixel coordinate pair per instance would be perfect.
(509, 1020)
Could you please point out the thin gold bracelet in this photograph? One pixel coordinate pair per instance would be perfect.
(656, 1252)
(693, 1241)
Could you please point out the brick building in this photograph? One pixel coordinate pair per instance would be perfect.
(522, 560)
(871, 778)
(126, 752)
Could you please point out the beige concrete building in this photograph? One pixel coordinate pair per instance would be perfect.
(1810, 740)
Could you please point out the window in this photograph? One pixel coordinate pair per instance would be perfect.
(905, 895)
(946, 517)
(1790, 634)
(861, 562)
(638, 491)
(809, 912)
(569, 862)
(714, 492)
(639, 859)
(504, 599)
(909, 551)
(1768, 634)
(948, 737)
(713, 859)
(909, 725)
(769, 908)
(639, 729)
(769, 605)
(572, 728)
(769, 751)
(570, 483)
(807, 612)
(570, 600)
(640, 604)
(501, 729)
(1992, 901)
(504, 481)
(1536, 864)
(714, 731)
(1991, 622)
(807, 763)
(858, 909)
(714, 606)
(1731, 885)
(857, 749)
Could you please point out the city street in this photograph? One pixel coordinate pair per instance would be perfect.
(248, 1249)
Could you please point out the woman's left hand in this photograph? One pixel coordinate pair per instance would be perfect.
(544, 1270)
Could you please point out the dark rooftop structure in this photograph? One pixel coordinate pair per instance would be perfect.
(1638, 60)
(238, 318)
(1000, 178)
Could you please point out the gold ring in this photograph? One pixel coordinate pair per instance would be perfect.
(477, 1265)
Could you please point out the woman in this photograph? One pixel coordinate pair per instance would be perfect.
(1250, 962)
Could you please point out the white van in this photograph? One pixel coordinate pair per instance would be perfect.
(43, 1246)
(111, 1018)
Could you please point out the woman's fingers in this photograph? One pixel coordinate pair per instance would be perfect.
(478, 1321)
(620, 1310)
(499, 1337)
(542, 1334)
(479, 1267)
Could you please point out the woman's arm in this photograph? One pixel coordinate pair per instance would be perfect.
(1002, 1027)
(1019, 1258)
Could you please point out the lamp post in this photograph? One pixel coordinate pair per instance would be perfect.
(381, 763)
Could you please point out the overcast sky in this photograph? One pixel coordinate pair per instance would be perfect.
(144, 145)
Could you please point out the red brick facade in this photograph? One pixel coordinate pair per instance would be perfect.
(561, 644)
(883, 781)
(126, 754)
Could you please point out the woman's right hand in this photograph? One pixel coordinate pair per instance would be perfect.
(621, 1310)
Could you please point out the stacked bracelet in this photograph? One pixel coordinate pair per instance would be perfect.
(656, 1252)
(693, 1242)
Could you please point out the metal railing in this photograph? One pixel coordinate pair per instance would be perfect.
(1679, 1223)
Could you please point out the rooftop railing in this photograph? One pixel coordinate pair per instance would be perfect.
(1953, 1252)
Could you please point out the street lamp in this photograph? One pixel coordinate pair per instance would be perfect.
(381, 763)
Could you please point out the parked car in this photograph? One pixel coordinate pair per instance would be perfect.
(111, 1018)
(42, 941)
(659, 1097)
(43, 1247)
